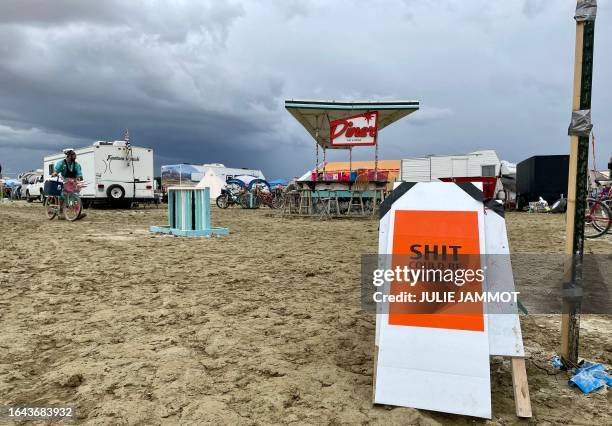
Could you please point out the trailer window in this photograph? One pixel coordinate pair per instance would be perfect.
(51, 169)
(488, 170)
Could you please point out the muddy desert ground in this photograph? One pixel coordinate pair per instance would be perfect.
(260, 327)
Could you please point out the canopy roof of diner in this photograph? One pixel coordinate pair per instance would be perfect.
(315, 116)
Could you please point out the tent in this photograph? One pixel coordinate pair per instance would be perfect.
(214, 181)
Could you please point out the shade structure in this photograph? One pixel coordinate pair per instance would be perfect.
(315, 116)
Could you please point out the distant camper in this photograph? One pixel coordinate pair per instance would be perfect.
(111, 173)
(213, 175)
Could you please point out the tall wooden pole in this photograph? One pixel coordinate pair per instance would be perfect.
(577, 180)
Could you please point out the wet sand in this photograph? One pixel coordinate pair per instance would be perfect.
(263, 326)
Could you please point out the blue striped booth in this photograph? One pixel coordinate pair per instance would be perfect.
(189, 213)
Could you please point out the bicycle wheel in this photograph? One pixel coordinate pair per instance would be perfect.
(222, 201)
(278, 201)
(72, 207)
(244, 201)
(51, 206)
(257, 202)
(597, 219)
(608, 203)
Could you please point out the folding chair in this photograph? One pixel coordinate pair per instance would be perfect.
(329, 201)
(360, 185)
(305, 201)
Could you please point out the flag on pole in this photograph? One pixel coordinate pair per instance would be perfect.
(126, 138)
(128, 147)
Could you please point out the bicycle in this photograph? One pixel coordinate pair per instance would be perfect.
(55, 193)
(226, 199)
(249, 200)
(278, 200)
(598, 218)
(266, 198)
(602, 193)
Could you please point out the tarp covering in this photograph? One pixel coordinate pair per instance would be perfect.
(245, 178)
(258, 182)
(9, 183)
(316, 115)
(508, 168)
(278, 182)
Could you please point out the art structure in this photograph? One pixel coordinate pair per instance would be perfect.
(189, 213)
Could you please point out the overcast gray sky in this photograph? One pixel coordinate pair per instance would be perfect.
(204, 81)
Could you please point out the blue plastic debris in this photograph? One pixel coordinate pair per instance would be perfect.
(589, 377)
(556, 362)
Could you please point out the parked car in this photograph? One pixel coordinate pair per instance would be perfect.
(34, 188)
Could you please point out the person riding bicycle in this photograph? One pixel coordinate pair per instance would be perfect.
(70, 171)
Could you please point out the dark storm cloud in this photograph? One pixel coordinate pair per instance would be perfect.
(204, 81)
(87, 73)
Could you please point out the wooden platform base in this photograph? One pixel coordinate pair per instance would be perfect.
(189, 233)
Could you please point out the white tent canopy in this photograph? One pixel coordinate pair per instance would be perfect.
(214, 181)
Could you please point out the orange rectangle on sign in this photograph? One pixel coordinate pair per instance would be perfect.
(447, 242)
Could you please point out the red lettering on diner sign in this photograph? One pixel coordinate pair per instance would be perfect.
(353, 131)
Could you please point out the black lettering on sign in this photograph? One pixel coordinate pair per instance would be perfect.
(434, 251)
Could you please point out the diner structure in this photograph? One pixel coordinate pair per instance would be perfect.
(343, 125)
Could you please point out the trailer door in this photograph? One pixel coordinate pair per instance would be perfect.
(143, 172)
(86, 160)
(460, 167)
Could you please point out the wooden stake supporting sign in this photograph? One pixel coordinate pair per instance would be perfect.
(577, 180)
(520, 387)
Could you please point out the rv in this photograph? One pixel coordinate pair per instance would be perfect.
(112, 172)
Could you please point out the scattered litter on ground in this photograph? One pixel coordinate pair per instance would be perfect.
(590, 377)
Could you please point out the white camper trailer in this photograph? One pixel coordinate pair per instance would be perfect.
(111, 173)
(483, 163)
